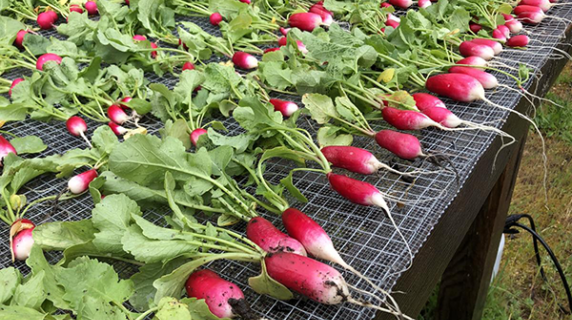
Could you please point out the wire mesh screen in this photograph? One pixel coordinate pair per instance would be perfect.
(363, 235)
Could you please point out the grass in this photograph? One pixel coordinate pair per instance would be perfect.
(518, 292)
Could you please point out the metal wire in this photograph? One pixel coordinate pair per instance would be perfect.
(363, 235)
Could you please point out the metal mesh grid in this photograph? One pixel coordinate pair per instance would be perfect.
(364, 237)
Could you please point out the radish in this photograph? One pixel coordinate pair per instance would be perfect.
(244, 60)
(46, 20)
(475, 27)
(5, 148)
(316, 280)
(77, 127)
(526, 8)
(19, 41)
(91, 8)
(286, 108)
(425, 100)
(283, 41)
(308, 277)
(435, 109)
(271, 50)
(407, 119)
(305, 21)
(125, 100)
(317, 242)
(457, 86)
(468, 49)
(518, 41)
(245, 1)
(80, 183)
(13, 85)
(497, 47)
(423, 3)
(76, 8)
(403, 145)
(507, 17)
(353, 159)
(117, 115)
(545, 5)
(473, 61)
(22, 244)
(117, 129)
(391, 23)
(386, 5)
(284, 31)
(504, 29)
(268, 237)
(403, 4)
(514, 25)
(127, 2)
(138, 37)
(357, 191)
(224, 298)
(188, 66)
(154, 53)
(326, 15)
(45, 58)
(486, 79)
(196, 134)
(499, 35)
(531, 17)
(215, 19)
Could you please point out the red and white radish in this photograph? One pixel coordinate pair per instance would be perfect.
(5, 148)
(468, 48)
(19, 41)
(495, 45)
(91, 8)
(499, 35)
(403, 145)
(268, 237)
(527, 8)
(386, 5)
(353, 159)
(514, 25)
(77, 127)
(196, 134)
(308, 277)
(154, 53)
(518, 41)
(45, 58)
(326, 15)
(117, 115)
(271, 50)
(13, 85)
(403, 4)
(305, 21)
(283, 41)
(284, 31)
(117, 129)
(46, 20)
(407, 119)
(504, 29)
(219, 295)
(424, 101)
(215, 19)
(80, 183)
(457, 86)
(22, 244)
(76, 8)
(286, 108)
(139, 37)
(423, 3)
(545, 5)
(244, 60)
(488, 80)
(531, 17)
(357, 191)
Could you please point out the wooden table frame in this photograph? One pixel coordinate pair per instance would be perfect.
(462, 249)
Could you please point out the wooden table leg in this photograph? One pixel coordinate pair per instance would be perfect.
(466, 280)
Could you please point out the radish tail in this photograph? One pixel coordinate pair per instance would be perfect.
(372, 306)
(544, 157)
(86, 140)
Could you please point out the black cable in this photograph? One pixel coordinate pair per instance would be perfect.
(512, 221)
